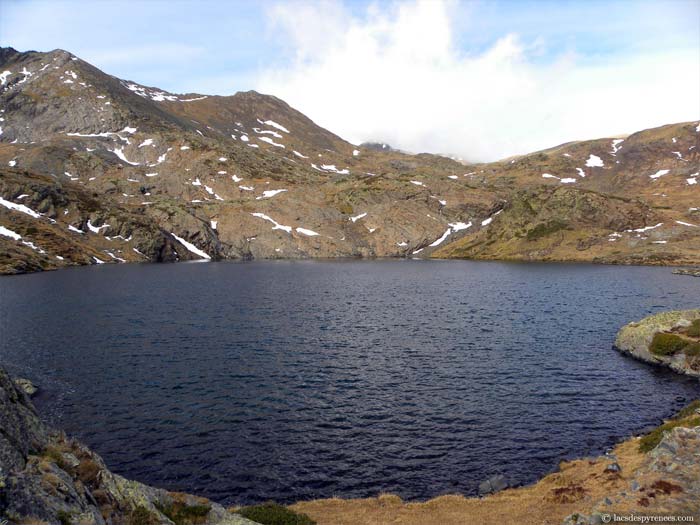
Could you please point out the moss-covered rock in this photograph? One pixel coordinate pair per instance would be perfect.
(664, 339)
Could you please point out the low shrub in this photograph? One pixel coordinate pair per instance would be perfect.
(55, 455)
(182, 514)
(142, 516)
(544, 229)
(273, 514)
(667, 344)
(64, 517)
(689, 410)
(88, 471)
(654, 437)
(694, 329)
(692, 350)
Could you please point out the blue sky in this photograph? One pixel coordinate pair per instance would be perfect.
(293, 47)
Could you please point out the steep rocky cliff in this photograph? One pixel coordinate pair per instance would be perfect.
(48, 478)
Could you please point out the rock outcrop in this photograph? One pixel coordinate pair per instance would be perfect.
(666, 339)
(47, 478)
(27, 386)
(693, 272)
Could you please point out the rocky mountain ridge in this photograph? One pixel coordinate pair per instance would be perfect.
(97, 169)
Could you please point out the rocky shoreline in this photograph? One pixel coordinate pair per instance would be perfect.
(670, 339)
(654, 474)
(693, 272)
(11, 269)
(48, 478)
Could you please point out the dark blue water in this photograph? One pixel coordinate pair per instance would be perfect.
(292, 380)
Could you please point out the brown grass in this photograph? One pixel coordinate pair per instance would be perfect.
(578, 484)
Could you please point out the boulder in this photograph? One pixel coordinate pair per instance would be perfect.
(25, 384)
(493, 484)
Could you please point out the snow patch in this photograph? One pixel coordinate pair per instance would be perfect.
(267, 132)
(441, 239)
(458, 226)
(9, 233)
(270, 141)
(331, 167)
(594, 161)
(19, 207)
(275, 125)
(304, 231)
(659, 173)
(615, 147)
(119, 152)
(95, 229)
(269, 193)
(277, 226)
(191, 247)
(646, 228)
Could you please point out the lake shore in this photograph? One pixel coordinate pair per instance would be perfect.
(632, 478)
(8, 267)
(625, 481)
(50, 478)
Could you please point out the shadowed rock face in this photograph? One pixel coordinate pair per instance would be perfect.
(46, 477)
(164, 177)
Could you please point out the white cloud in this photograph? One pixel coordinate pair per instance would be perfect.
(396, 75)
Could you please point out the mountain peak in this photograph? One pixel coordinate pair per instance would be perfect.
(93, 167)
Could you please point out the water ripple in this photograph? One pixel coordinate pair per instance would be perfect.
(293, 380)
